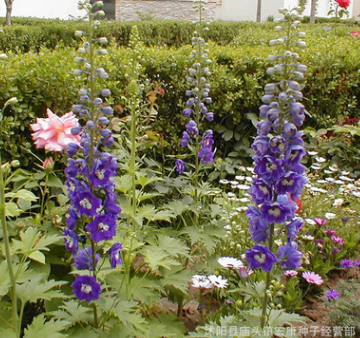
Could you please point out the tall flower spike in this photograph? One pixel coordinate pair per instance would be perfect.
(196, 109)
(93, 210)
(278, 150)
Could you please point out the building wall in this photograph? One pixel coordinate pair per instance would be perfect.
(127, 10)
(50, 9)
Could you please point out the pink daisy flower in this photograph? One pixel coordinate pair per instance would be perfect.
(320, 221)
(312, 278)
(290, 273)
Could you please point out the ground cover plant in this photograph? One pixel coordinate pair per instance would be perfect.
(131, 210)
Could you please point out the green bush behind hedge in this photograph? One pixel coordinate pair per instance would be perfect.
(44, 78)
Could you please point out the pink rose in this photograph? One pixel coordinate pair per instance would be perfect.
(54, 133)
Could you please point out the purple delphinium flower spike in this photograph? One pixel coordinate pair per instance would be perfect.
(260, 257)
(115, 255)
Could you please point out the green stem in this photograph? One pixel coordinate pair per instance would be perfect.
(14, 313)
(133, 164)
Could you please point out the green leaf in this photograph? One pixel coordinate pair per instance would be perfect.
(73, 312)
(37, 288)
(123, 183)
(37, 256)
(228, 135)
(173, 246)
(12, 209)
(144, 181)
(41, 327)
(5, 282)
(55, 182)
(156, 259)
(8, 333)
(23, 194)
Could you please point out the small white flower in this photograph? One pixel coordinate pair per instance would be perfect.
(315, 167)
(312, 153)
(230, 262)
(329, 179)
(231, 194)
(218, 281)
(242, 168)
(234, 182)
(316, 189)
(329, 215)
(334, 167)
(345, 178)
(240, 178)
(251, 169)
(227, 227)
(243, 187)
(223, 181)
(321, 181)
(201, 282)
(320, 159)
(345, 173)
(356, 193)
(338, 202)
(307, 237)
(240, 209)
(248, 179)
(328, 172)
(339, 182)
(310, 221)
(244, 200)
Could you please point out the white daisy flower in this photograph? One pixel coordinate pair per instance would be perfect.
(329, 179)
(227, 227)
(316, 189)
(345, 173)
(201, 282)
(218, 281)
(328, 172)
(338, 202)
(356, 193)
(312, 153)
(310, 221)
(339, 182)
(334, 167)
(223, 181)
(243, 187)
(242, 168)
(239, 178)
(320, 159)
(251, 169)
(231, 194)
(316, 167)
(244, 200)
(321, 181)
(230, 262)
(329, 215)
(307, 237)
(240, 209)
(345, 178)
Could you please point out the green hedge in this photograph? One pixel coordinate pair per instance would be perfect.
(31, 34)
(45, 79)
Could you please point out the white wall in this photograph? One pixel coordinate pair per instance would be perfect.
(61, 9)
(245, 10)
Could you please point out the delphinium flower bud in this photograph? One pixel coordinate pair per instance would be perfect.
(93, 209)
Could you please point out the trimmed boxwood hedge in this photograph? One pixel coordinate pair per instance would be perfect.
(44, 78)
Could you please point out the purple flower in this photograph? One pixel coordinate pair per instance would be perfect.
(332, 294)
(260, 256)
(263, 127)
(100, 174)
(279, 212)
(71, 240)
(278, 144)
(71, 219)
(347, 263)
(268, 167)
(87, 204)
(258, 229)
(192, 128)
(261, 146)
(206, 155)
(86, 288)
(84, 260)
(185, 139)
(292, 183)
(102, 228)
(207, 142)
(180, 166)
(115, 255)
(261, 191)
(209, 116)
(294, 227)
(187, 112)
(288, 256)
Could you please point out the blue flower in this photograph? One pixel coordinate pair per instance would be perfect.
(288, 256)
(102, 228)
(185, 139)
(280, 211)
(115, 255)
(180, 166)
(192, 128)
(206, 155)
(86, 288)
(260, 257)
(84, 261)
(87, 204)
(71, 240)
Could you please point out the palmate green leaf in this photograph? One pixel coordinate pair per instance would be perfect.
(5, 283)
(155, 259)
(7, 332)
(5, 315)
(144, 180)
(37, 288)
(83, 332)
(40, 327)
(123, 183)
(72, 312)
(142, 196)
(165, 325)
(173, 246)
(178, 278)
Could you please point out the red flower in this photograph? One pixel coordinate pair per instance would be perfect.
(355, 34)
(343, 3)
